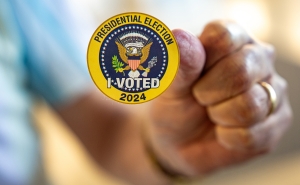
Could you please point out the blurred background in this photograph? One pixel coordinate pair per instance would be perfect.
(273, 21)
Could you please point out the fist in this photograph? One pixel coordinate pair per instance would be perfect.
(216, 113)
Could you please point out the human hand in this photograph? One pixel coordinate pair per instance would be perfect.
(215, 113)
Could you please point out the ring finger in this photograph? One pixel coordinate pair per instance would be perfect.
(249, 107)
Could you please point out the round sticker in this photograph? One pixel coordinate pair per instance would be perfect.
(133, 57)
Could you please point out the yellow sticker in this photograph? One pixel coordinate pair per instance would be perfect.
(133, 57)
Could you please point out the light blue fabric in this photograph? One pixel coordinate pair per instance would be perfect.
(38, 56)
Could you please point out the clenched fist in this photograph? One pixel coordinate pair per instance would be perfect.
(216, 112)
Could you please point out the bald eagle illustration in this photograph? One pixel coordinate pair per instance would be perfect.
(134, 51)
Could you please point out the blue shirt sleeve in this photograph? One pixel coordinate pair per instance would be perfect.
(56, 67)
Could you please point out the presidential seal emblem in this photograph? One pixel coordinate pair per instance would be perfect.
(133, 57)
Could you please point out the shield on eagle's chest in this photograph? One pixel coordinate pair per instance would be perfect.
(134, 63)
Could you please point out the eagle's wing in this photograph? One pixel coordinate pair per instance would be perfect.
(145, 52)
(122, 52)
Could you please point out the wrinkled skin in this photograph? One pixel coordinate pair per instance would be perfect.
(215, 113)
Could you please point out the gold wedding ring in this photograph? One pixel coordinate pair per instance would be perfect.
(272, 96)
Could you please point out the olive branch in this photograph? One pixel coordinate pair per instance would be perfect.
(117, 65)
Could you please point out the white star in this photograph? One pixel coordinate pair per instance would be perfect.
(115, 83)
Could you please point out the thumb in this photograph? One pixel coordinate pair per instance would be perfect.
(192, 58)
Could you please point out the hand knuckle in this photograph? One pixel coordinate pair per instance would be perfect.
(283, 83)
(241, 79)
(250, 53)
(245, 138)
(269, 49)
(217, 35)
(236, 138)
(239, 72)
(248, 110)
